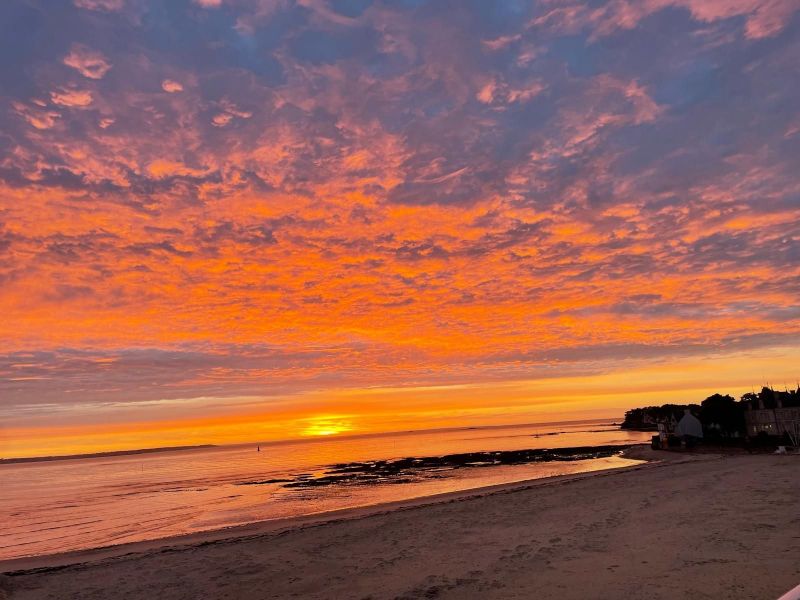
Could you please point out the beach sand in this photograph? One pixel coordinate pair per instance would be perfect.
(691, 526)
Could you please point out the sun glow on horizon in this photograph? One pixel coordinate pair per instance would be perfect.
(332, 412)
(327, 425)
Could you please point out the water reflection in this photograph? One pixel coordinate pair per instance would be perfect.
(73, 504)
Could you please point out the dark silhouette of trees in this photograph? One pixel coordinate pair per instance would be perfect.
(722, 417)
(647, 418)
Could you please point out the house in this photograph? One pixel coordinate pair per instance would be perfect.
(689, 426)
(773, 413)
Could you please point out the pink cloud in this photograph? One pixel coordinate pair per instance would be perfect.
(35, 116)
(107, 5)
(87, 62)
(605, 103)
(486, 93)
(501, 42)
(770, 18)
(168, 85)
(765, 18)
(496, 92)
(229, 111)
(645, 109)
(73, 98)
(221, 119)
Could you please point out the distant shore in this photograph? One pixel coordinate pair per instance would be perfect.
(6, 461)
(682, 526)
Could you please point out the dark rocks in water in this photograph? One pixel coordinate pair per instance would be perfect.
(325, 480)
(413, 468)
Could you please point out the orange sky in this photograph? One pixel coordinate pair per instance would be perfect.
(254, 220)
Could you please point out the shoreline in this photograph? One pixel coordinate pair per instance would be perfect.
(258, 529)
(681, 525)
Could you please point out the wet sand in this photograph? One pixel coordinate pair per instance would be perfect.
(699, 526)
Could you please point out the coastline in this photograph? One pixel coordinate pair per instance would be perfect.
(111, 501)
(60, 560)
(684, 525)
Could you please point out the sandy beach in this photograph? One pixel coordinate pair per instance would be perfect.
(692, 526)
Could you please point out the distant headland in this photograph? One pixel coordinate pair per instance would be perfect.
(102, 454)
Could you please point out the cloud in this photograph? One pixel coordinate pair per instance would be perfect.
(285, 196)
(494, 92)
(221, 119)
(229, 113)
(89, 373)
(87, 62)
(762, 18)
(72, 98)
(36, 116)
(105, 5)
(168, 85)
(162, 168)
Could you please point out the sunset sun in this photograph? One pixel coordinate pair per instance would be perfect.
(325, 426)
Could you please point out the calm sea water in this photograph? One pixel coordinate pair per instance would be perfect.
(48, 507)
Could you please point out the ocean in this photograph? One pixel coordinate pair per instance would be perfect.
(58, 506)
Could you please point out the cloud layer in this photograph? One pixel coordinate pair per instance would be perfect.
(246, 196)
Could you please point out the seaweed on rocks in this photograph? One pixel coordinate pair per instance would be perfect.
(403, 470)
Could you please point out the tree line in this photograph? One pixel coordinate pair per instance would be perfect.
(721, 415)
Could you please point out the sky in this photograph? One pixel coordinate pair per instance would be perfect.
(235, 220)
